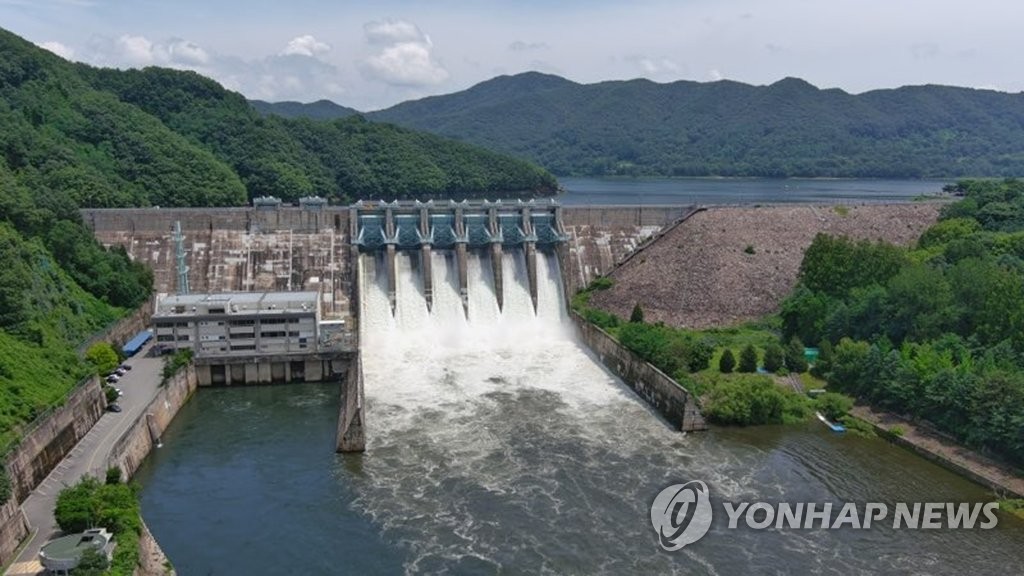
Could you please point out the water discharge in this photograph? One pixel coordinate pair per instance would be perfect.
(496, 444)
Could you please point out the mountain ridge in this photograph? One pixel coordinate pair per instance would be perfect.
(789, 128)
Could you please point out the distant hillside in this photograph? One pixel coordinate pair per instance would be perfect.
(725, 128)
(319, 110)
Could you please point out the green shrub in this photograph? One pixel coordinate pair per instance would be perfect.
(174, 363)
(774, 358)
(727, 362)
(114, 475)
(795, 359)
(896, 431)
(115, 507)
(110, 394)
(637, 315)
(834, 406)
(601, 283)
(102, 357)
(748, 359)
(753, 400)
(750, 249)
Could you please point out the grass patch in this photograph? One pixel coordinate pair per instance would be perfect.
(841, 210)
(1014, 506)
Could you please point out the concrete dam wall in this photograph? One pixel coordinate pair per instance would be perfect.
(288, 248)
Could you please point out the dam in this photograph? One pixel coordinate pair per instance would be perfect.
(495, 442)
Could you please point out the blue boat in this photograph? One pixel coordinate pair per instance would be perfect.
(835, 427)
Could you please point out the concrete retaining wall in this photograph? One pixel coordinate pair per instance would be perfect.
(136, 443)
(13, 529)
(46, 445)
(664, 394)
(125, 328)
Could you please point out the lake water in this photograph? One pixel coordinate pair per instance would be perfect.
(653, 191)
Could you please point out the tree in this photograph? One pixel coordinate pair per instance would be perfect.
(774, 357)
(823, 365)
(727, 362)
(637, 315)
(102, 357)
(795, 359)
(834, 406)
(748, 359)
(92, 563)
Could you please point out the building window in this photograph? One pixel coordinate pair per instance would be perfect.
(182, 337)
(216, 310)
(165, 338)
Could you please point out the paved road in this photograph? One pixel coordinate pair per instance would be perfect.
(90, 455)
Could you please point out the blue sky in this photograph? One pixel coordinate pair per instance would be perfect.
(370, 55)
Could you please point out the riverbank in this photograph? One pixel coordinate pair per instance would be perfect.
(1003, 479)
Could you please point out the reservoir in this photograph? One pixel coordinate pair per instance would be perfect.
(674, 191)
(496, 444)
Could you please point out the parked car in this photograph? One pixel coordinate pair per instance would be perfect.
(119, 391)
(113, 408)
(120, 371)
(113, 378)
(125, 366)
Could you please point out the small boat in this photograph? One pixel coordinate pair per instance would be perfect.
(835, 427)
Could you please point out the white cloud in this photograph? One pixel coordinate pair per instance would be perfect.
(656, 67)
(520, 46)
(403, 55)
(59, 49)
(305, 45)
(393, 32)
(135, 50)
(184, 52)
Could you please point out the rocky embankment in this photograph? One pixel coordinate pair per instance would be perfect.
(731, 264)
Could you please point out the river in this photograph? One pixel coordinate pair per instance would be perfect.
(498, 445)
(653, 191)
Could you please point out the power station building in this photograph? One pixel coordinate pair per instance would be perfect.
(242, 323)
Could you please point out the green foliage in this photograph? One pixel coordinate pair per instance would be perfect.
(115, 507)
(754, 400)
(671, 350)
(795, 360)
(896, 431)
(833, 405)
(580, 303)
(175, 363)
(774, 358)
(823, 365)
(748, 360)
(637, 315)
(602, 283)
(684, 128)
(92, 563)
(341, 159)
(103, 357)
(750, 249)
(727, 362)
(113, 475)
(938, 336)
(110, 394)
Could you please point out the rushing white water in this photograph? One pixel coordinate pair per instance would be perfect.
(493, 415)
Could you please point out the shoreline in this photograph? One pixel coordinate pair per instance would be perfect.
(1003, 479)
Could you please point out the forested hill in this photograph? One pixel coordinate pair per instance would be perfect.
(319, 110)
(726, 128)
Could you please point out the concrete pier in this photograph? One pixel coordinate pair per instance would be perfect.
(427, 239)
(351, 431)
